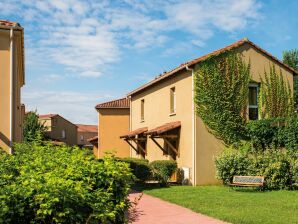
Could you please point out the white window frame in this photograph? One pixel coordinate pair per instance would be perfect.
(254, 106)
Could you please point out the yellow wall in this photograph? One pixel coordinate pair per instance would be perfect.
(157, 113)
(112, 124)
(56, 125)
(157, 109)
(5, 110)
(207, 145)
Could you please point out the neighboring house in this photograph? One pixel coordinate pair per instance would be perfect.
(59, 129)
(94, 142)
(113, 121)
(86, 132)
(12, 72)
(165, 126)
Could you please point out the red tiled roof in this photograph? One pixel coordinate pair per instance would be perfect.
(9, 23)
(204, 57)
(134, 132)
(164, 128)
(119, 103)
(86, 128)
(93, 139)
(47, 116)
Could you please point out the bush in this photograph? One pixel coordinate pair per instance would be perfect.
(278, 166)
(288, 135)
(162, 170)
(60, 184)
(264, 133)
(140, 168)
(230, 163)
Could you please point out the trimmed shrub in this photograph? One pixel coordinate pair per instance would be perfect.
(230, 163)
(162, 170)
(278, 166)
(140, 168)
(60, 184)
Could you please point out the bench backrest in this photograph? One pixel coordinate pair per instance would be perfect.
(257, 180)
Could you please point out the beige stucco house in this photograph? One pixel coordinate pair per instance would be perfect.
(12, 73)
(113, 121)
(163, 122)
(85, 132)
(59, 129)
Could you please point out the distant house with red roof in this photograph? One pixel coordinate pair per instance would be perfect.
(84, 133)
(60, 129)
(113, 121)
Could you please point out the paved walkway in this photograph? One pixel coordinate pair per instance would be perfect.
(151, 210)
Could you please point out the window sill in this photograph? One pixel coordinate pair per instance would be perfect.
(142, 121)
(172, 114)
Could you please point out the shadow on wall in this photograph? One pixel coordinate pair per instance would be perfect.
(4, 139)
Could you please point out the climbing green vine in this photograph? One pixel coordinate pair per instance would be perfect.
(275, 98)
(221, 92)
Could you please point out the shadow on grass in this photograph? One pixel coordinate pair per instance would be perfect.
(140, 187)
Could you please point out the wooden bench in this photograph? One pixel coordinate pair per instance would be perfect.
(248, 181)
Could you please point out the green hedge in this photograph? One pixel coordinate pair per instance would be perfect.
(273, 133)
(60, 184)
(140, 168)
(278, 166)
(162, 170)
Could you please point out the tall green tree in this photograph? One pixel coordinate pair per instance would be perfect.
(33, 129)
(291, 58)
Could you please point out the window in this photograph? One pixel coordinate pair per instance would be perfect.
(63, 134)
(142, 109)
(172, 101)
(253, 110)
(82, 138)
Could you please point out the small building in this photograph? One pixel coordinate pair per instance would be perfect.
(59, 129)
(86, 132)
(12, 72)
(165, 126)
(94, 142)
(113, 121)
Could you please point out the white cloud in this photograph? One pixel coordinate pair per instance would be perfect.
(77, 107)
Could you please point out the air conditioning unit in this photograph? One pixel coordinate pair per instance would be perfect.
(186, 175)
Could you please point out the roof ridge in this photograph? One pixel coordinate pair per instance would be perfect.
(117, 103)
(204, 57)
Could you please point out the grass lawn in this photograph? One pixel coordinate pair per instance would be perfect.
(234, 205)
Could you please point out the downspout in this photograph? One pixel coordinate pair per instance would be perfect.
(193, 127)
(11, 89)
(130, 123)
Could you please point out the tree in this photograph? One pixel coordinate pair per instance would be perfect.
(291, 58)
(33, 129)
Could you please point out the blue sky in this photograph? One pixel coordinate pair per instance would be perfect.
(80, 53)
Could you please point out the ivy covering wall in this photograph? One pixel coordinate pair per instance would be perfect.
(221, 93)
(275, 98)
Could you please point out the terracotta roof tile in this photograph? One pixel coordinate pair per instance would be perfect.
(204, 57)
(47, 116)
(119, 103)
(134, 132)
(93, 139)
(164, 128)
(9, 23)
(86, 128)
